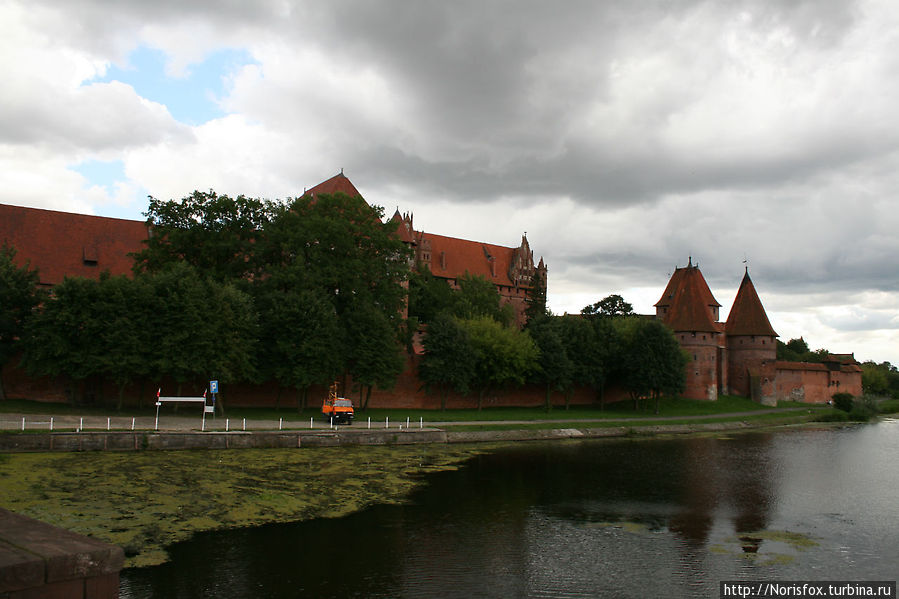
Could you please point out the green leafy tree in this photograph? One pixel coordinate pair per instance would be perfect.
(536, 297)
(339, 244)
(652, 362)
(556, 369)
(374, 355)
(124, 311)
(303, 339)
(477, 297)
(216, 234)
(19, 296)
(429, 296)
(204, 328)
(65, 338)
(880, 379)
(503, 355)
(610, 307)
(449, 359)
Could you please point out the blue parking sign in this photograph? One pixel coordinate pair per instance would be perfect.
(213, 386)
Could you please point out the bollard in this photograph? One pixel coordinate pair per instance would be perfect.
(369, 422)
(51, 423)
(107, 424)
(387, 422)
(227, 424)
(407, 422)
(132, 424)
(280, 423)
(81, 425)
(203, 424)
(310, 422)
(421, 422)
(244, 424)
(23, 423)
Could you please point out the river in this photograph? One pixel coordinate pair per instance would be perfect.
(599, 518)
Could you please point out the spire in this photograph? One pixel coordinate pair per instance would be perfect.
(747, 315)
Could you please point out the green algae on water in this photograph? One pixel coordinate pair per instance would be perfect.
(145, 501)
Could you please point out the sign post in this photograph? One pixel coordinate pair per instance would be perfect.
(213, 388)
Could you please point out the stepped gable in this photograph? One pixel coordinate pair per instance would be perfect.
(337, 184)
(747, 315)
(60, 244)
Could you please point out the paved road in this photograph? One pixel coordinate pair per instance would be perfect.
(42, 422)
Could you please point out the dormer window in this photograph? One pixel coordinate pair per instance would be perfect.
(89, 256)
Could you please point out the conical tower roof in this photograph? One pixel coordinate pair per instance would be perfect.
(747, 315)
(689, 309)
(691, 276)
(689, 301)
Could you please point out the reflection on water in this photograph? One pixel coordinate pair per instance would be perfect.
(647, 518)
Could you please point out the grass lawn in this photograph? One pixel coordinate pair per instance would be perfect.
(669, 408)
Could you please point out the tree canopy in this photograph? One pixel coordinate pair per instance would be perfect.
(19, 296)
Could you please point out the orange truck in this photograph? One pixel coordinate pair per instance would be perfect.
(337, 409)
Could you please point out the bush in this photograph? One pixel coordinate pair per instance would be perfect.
(890, 406)
(843, 401)
(864, 410)
(834, 416)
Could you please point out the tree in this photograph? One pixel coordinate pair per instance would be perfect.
(556, 369)
(449, 359)
(477, 297)
(610, 307)
(19, 296)
(303, 340)
(218, 235)
(65, 338)
(203, 328)
(374, 355)
(503, 355)
(536, 296)
(652, 362)
(429, 296)
(124, 309)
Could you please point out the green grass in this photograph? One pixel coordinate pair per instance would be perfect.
(763, 419)
(668, 408)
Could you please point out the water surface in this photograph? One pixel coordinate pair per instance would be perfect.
(598, 518)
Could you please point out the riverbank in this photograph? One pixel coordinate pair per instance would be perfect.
(144, 501)
(478, 432)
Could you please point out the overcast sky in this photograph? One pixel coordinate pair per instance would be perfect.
(622, 137)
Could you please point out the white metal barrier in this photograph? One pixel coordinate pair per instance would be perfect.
(163, 400)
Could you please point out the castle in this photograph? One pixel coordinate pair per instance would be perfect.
(739, 356)
(511, 269)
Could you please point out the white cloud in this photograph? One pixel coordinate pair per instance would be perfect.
(622, 137)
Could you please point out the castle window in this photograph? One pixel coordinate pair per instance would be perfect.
(89, 256)
(694, 357)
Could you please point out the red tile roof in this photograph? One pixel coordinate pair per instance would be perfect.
(452, 257)
(63, 244)
(336, 184)
(403, 228)
(689, 301)
(747, 315)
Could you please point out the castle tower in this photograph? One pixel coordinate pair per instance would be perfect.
(688, 307)
(751, 346)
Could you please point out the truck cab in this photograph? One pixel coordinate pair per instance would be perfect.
(337, 409)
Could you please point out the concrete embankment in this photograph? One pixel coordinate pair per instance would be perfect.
(40, 560)
(139, 440)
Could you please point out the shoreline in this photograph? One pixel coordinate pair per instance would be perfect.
(16, 442)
